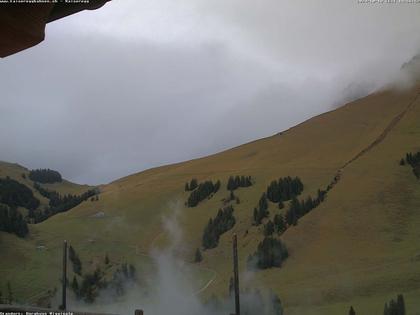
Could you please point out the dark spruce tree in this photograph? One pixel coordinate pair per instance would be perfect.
(269, 228)
(262, 211)
(395, 307)
(270, 252)
(75, 260)
(279, 224)
(284, 189)
(203, 191)
(222, 223)
(11, 221)
(235, 182)
(15, 194)
(198, 257)
(191, 185)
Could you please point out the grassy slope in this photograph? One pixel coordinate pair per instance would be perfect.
(15, 171)
(360, 247)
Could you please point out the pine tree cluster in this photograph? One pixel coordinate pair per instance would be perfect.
(45, 176)
(238, 181)
(271, 252)
(15, 194)
(191, 185)
(298, 208)
(284, 189)
(261, 211)
(58, 203)
(395, 307)
(222, 223)
(412, 159)
(11, 221)
(203, 191)
(92, 283)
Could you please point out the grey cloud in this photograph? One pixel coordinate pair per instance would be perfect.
(139, 84)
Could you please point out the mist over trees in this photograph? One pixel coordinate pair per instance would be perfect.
(88, 286)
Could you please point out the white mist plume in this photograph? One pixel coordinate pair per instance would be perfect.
(171, 290)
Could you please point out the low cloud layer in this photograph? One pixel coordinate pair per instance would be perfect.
(138, 84)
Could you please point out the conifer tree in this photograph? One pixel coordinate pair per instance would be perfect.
(75, 287)
(400, 305)
(269, 228)
(9, 293)
(351, 311)
(231, 286)
(279, 224)
(198, 257)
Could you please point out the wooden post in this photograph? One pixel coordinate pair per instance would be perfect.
(236, 275)
(64, 297)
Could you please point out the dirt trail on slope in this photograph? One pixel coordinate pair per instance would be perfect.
(393, 123)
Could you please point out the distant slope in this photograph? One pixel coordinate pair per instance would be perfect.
(360, 247)
(21, 174)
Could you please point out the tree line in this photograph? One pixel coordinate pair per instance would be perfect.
(222, 223)
(203, 191)
(58, 203)
(11, 221)
(271, 252)
(284, 189)
(15, 194)
(393, 307)
(412, 159)
(298, 208)
(234, 182)
(45, 176)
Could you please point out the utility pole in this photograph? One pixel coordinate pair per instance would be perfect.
(64, 301)
(236, 275)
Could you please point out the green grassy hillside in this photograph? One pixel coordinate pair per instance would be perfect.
(360, 247)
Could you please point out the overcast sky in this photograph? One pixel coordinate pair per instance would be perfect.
(141, 83)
